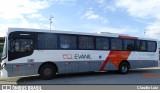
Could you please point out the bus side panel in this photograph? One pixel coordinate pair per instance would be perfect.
(61, 67)
(94, 66)
(20, 69)
(143, 59)
(23, 69)
(9, 69)
(143, 63)
(110, 66)
(149, 63)
(71, 67)
(134, 64)
(83, 66)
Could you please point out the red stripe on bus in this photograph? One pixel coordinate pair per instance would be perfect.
(128, 37)
(105, 62)
(115, 57)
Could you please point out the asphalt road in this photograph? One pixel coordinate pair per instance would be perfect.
(138, 76)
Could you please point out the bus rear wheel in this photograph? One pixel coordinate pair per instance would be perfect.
(123, 68)
(47, 72)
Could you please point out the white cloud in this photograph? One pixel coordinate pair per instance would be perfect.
(153, 30)
(17, 13)
(144, 9)
(100, 28)
(90, 14)
(23, 24)
(123, 30)
(65, 2)
(26, 24)
(4, 28)
(101, 2)
(11, 9)
(36, 16)
(140, 8)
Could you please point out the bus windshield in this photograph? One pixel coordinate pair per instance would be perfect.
(2, 48)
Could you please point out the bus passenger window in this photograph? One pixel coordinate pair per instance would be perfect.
(116, 44)
(22, 45)
(102, 43)
(47, 41)
(128, 44)
(86, 42)
(151, 46)
(67, 42)
(141, 46)
(138, 45)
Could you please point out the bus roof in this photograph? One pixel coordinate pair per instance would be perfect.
(105, 34)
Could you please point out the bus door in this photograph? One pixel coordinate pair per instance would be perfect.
(20, 47)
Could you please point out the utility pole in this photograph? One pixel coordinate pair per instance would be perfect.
(50, 19)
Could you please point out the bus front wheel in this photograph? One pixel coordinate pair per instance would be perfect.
(123, 68)
(47, 72)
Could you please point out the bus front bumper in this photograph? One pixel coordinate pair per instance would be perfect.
(3, 73)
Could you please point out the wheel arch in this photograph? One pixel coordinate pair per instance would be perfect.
(48, 62)
(125, 61)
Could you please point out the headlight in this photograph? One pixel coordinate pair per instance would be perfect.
(3, 66)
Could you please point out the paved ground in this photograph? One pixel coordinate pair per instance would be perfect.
(140, 76)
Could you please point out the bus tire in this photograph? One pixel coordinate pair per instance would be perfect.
(123, 68)
(47, 72)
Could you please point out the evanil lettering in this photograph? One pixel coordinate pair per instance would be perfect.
(82, 56)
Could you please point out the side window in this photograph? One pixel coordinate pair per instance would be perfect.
(51, 41)
(21, 45)
(138, 47)
(67, 42)
(86, 42)
(47, 41)
(151, 46)
(42, 41)
(128, 44)
(102, 43)
(116, 44)
(141, 46)
(1, 46)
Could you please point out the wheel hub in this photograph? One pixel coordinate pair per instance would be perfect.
(48, 71)
(124, 68)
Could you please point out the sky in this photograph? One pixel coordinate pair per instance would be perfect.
(139, 18)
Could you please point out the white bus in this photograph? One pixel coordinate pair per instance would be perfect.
(47, 53)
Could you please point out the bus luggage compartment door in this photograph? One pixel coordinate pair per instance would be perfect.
(71, 67)
(23, 69)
